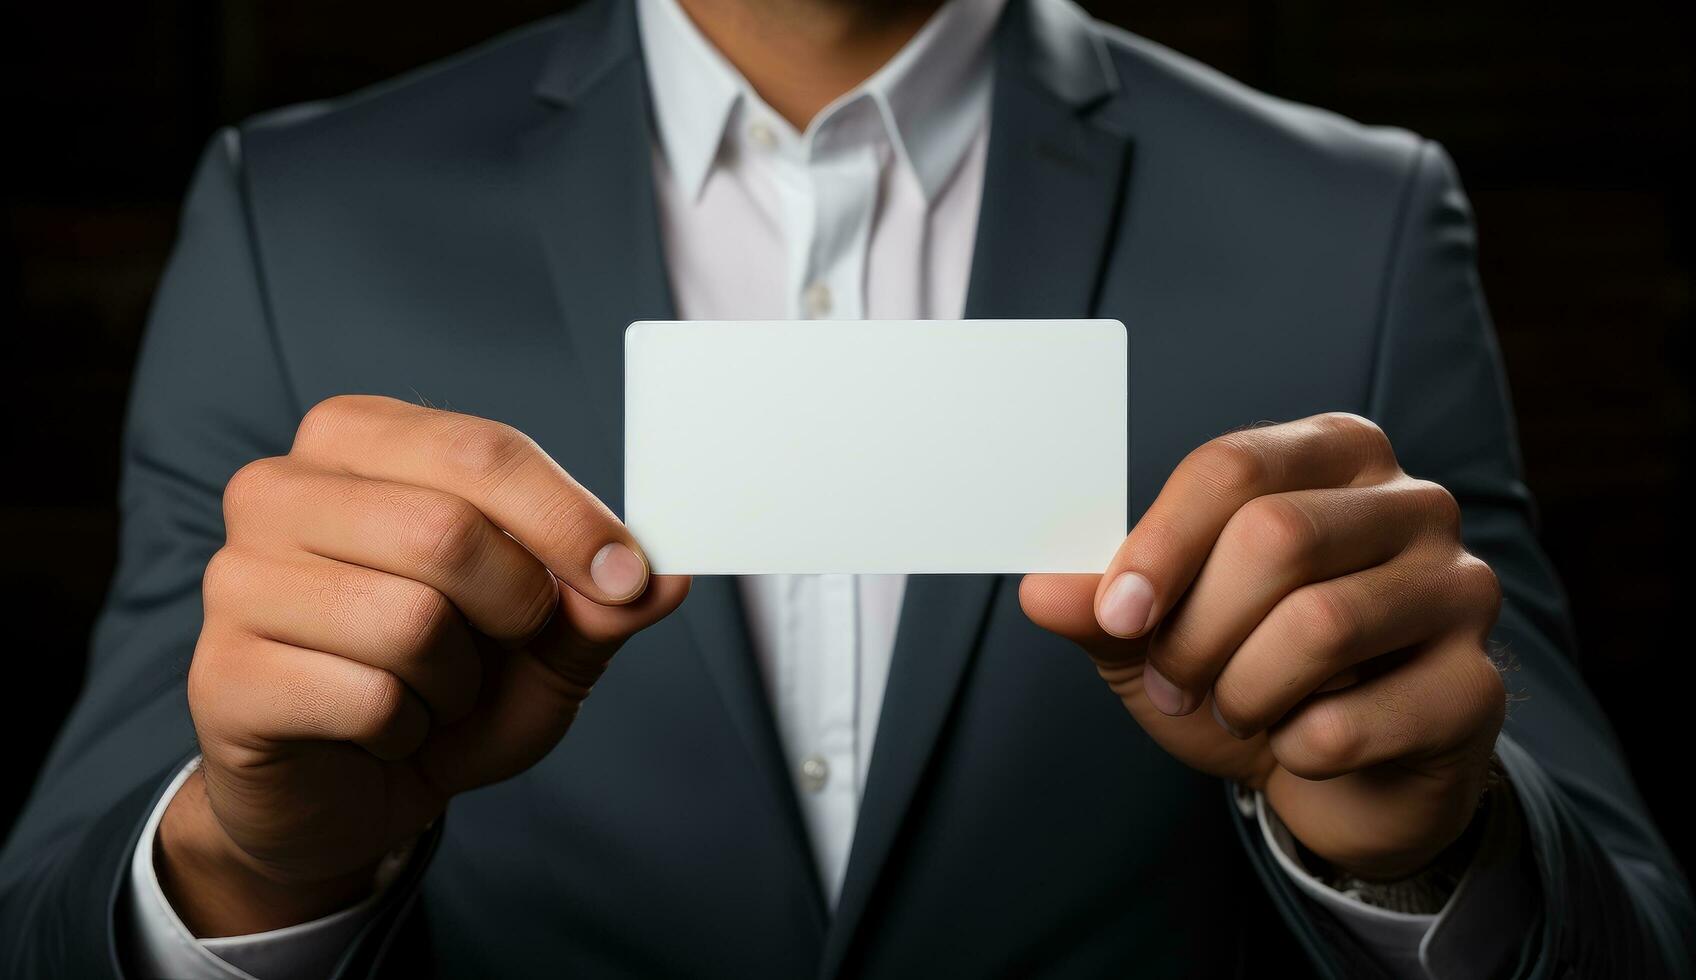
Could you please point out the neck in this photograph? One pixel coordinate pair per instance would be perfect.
(799, 55)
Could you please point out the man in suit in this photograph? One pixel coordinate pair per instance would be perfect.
(365, 743)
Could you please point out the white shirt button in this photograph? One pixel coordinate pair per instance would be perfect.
(762, 134)
(815, 772)
(817, 299)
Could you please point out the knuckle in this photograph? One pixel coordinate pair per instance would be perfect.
(199, 683)
(226, 577)
(1484, 693)
(481, 450)
(421, 615)
(444, 534)
(1350, 424)
(1156, 536)
(532, 614)
(211, 672)
(204, 677)
(1230, 464)
(378, 703)
(1438, 505)
(1479, 582)
(570, 519)
(323, 422)
(1365, 436)
(1324, 741)
(1279, 529)
(1325, 619)
(249, 486)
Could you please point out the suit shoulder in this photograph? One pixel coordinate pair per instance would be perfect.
(1194, 108)
(456, 101)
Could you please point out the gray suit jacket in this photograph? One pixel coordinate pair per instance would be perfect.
(478, 234)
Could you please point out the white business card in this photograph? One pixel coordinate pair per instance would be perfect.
(876, 446)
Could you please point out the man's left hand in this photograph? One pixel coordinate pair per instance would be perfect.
(1296, 613)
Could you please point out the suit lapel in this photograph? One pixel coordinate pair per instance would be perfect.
(715, 618)
(1051, 195)
(587, 170)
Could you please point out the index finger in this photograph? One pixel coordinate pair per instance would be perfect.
(494, 467)
(1160, 557)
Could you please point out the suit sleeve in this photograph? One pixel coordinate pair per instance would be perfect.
(211, 393)
(1613, 900)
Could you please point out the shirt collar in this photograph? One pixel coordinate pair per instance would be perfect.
(932, 96)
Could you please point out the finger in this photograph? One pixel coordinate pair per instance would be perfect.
(1065, 604)
(385, 621)
(423, 534)
(1166, 548)
(531, 696)
(1271, 546)
(259, 692)
(1320, 632)
(501, 471)
(1446, 699)
(581, 652)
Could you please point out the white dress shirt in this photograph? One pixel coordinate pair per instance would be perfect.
(870, 213)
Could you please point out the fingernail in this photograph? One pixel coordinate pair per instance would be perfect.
(617, 571)
(1124, 609)
(1223, 723)
(1162, 693)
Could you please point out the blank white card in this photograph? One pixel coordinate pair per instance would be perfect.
(918, 446)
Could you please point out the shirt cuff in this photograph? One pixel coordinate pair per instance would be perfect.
(161, 946)
(1478, 931)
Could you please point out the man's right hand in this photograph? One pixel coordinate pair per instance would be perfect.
(410, 604)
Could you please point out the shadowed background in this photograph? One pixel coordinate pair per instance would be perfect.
(1571, 125)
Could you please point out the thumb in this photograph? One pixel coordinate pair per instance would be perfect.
(1065, 605)
(584, 634)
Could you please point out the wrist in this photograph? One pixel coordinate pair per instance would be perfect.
(1427, 887)
(218, 889)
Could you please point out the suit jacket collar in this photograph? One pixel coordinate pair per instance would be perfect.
(596, 37)
(931, 97)
(1054, 43)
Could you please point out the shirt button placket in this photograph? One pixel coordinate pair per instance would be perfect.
(817, 299)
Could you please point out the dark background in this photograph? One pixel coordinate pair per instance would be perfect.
(1571, 125)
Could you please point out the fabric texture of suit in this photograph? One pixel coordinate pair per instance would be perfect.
(477, 235)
